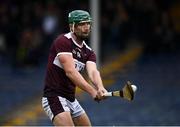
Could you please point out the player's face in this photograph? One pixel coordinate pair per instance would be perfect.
(82, 30)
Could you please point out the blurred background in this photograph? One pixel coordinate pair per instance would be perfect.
(139, 41)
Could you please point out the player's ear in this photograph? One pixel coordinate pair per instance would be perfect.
(70, 27)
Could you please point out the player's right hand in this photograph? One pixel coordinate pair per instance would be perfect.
(97, 99)
(97, 96)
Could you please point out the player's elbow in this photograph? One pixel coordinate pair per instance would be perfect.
(94, 74)
(69, 72)
(97, 73)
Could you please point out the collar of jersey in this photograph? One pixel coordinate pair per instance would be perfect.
(69, 35)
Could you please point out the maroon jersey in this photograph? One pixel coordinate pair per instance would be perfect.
(56, 81)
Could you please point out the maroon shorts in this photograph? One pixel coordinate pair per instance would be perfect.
(55, 105)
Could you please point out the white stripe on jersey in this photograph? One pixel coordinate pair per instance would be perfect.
(56, 60)
(69, 53)
(78, 65)
(90, 62)
(79, 62)
(68, 35)
(87, 46)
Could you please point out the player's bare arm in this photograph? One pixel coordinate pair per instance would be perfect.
(95, 77)
(71, 72)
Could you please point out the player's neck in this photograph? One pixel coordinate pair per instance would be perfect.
(78, 40)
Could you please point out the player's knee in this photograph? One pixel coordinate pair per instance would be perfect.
(82, 120)
(63, 119)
